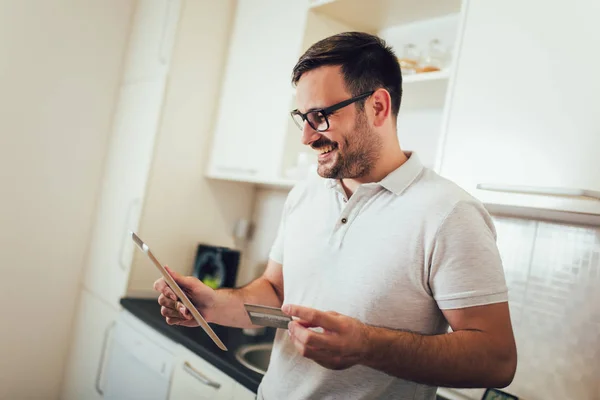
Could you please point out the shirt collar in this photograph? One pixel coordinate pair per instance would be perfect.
(399, 179)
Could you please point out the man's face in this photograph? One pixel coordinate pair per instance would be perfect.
(350, 147)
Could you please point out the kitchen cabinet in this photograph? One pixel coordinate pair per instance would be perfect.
(124, 185)
(195, 378)
(140, 362)
(129, 158)
(255, 139)
(151, 40)
(131, 148)
(85, 373)
(523, 115)
(256, 91)
(241, 393)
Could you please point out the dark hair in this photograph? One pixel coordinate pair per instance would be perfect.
(366, 61)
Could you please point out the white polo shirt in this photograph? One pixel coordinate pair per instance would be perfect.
(393, 255)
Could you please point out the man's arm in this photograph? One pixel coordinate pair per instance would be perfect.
(266, 290)
(480, 352)
(222, 306)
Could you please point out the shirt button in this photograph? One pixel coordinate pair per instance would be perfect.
(344, 220)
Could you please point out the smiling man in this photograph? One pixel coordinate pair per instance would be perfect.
(378, 252)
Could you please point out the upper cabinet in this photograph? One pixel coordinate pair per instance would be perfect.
(256, 91)
(151, 40)
(523, 127)
(255, 139)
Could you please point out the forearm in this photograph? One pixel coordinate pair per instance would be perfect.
(229, 303)
(459, 359)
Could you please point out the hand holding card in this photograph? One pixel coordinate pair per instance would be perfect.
(267, 316)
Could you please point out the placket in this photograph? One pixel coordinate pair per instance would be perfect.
(350, 209)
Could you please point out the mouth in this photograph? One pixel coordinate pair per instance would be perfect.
(324, 151)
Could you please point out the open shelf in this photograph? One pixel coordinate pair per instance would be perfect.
(415, 78)
(375, 15)
(280, 183)
(426, 76)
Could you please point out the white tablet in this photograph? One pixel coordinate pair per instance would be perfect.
(175, 287)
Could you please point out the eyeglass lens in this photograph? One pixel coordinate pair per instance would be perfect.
(315, 119)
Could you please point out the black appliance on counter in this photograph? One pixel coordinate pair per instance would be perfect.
(216, 266)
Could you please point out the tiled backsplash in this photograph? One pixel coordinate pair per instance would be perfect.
(553, 274)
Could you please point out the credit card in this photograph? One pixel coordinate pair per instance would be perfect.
(267, 316)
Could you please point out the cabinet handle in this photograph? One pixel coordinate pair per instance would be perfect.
(550, 191)
(126, 229)
(161, 49)
(198, 375)
(102, 358)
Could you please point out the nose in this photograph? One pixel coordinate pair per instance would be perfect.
(309, 135)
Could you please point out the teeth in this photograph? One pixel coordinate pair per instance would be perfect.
(325, 149)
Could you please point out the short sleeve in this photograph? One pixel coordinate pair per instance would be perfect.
(276, 252)
(466, 267)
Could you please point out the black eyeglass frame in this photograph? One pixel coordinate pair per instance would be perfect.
(327, 111)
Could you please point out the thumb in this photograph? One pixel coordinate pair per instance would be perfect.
(181, 280)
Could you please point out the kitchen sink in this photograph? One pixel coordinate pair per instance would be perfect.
(255, 356)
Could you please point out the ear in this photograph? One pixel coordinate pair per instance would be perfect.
(381, 104)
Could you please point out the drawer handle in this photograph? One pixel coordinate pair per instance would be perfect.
(103, 357)
(128, 227)
(200, 376)
(550, 191)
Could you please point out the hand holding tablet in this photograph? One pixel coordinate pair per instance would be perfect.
(178, 292)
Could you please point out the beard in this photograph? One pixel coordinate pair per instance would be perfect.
(358, 155)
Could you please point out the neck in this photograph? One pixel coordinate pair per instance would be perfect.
(391, 159)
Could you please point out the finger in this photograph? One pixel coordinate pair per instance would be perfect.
(312, 316)
(304, 350)
(161, 286)
(307, 324)
(311, 338)
(185, 282)
(167, 302)
(184, 312)
(178, 321)
(175, 321)
(167, 291)
(170, 313)
(176, 276)
(324, 357)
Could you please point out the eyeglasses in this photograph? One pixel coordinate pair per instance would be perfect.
(317, 119)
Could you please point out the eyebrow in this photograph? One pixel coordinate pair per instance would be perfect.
(315, 109)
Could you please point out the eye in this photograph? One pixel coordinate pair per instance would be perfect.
(317, 117)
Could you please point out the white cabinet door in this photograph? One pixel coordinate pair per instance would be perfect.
(87, 356)
(151, 39)
(241, 393)
(256, 92)
(140, 363)
(194, 378)
(123, 189)
(524, 107)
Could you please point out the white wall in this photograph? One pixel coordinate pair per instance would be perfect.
(60, 64)
(182, 208)
(266, 216)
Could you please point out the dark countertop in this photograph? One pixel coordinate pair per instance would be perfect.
(148, 311)
(197, 341)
